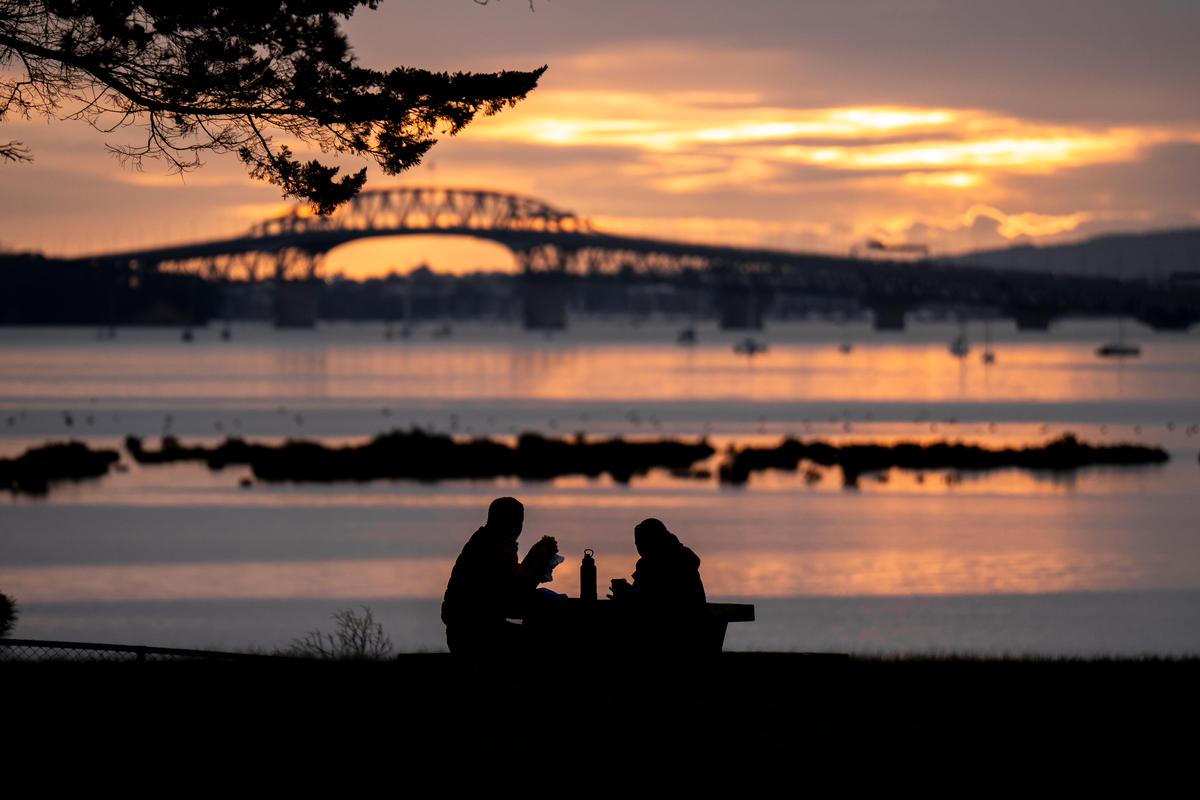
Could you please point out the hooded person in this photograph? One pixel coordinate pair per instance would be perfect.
(667, 593)
(488, 586)
(667, 573)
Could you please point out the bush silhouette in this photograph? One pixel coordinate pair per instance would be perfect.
(357, 637)
(8, 614)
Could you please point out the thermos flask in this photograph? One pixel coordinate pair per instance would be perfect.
(587, 576)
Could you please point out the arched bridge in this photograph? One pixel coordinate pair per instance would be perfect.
(293, 244)
(387, 212)
(551, 245)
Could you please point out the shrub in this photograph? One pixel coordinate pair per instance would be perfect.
(357, 636)
(8, 614)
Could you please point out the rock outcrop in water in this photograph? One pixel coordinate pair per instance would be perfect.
(1061, 454)
(33, 471)
(417, 455)
(421, 456)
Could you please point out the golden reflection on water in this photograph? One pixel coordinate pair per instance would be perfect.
(726, 574)
(941, 533)
(906, 572)
(367, 369)
(262, 580)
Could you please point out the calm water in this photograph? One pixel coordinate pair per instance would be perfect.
(1101, 561)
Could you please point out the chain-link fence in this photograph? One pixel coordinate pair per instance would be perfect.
(42, 650)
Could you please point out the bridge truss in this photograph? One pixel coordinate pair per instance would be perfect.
(547, 242)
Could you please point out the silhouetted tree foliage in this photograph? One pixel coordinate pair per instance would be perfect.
(8, 614)
(234, 77)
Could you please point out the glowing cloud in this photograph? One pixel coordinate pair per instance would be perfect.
(955, 180)
(1028, 149)
(669, 122)
(1026, 224)
(905, 170)
(845, 138)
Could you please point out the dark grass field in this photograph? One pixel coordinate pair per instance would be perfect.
(737, 704)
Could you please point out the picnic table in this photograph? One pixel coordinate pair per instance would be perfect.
(572, 623)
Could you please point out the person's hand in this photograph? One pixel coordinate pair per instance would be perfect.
(537, 560)
(545, 547)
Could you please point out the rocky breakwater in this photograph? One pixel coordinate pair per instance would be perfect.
(1061, 454)
(418, 455)
(37, 468)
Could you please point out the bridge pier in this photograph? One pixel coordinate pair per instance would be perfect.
(1032, 319)
(741, 306)
(889, 315)
(544, 301)
(1168, 319)
(296, 303)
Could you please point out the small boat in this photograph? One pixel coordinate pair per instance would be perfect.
(750, 347)
(1118, 350)
(444, 331)
(187, 335)
(687, 336)
(845, 348)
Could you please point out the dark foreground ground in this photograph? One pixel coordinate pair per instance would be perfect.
(742, 704)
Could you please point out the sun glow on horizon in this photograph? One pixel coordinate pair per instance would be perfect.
(377, 257)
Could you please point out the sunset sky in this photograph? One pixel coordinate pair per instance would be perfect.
(800, 125)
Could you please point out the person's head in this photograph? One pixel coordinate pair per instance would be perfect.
(506, 516)
(652, 537)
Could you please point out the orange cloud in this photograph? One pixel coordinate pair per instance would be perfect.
(958, 179)
(1026, 224)
(668, 122)
(749, 140)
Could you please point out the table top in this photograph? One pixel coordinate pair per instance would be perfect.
(722, 612)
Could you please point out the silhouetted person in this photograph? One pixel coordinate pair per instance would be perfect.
(667, 595)
(488, 586)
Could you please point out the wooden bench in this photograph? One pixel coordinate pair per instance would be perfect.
(725, 613)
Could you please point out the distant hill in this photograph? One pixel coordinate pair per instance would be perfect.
(1127, 255)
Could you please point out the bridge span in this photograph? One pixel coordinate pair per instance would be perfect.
(551, 246)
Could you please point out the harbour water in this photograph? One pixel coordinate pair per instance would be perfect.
(1097, 561)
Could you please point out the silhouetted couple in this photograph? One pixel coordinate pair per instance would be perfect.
(664, 608)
